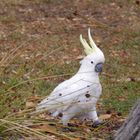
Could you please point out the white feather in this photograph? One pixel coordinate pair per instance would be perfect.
(77, 96)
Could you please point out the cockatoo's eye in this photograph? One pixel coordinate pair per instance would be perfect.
(99, 67)
(92, 62)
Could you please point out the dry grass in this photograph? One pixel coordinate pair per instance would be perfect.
(39, 48)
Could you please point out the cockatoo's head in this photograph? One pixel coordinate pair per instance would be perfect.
(95, 57)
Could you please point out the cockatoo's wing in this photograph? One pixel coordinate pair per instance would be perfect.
(70, 93)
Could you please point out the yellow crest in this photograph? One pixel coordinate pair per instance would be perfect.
(88, 48)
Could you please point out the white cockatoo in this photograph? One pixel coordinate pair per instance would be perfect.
(77, 96)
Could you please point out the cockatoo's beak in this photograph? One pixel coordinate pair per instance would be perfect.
(99, 67)
(88, 48)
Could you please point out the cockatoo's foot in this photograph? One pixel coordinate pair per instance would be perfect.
(97, 123)
(64, 120)
(54, 114)
(68, 129)
(72, 125)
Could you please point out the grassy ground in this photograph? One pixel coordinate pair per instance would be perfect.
(39, 48)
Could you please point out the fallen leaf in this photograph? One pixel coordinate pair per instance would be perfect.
(80, 57)
(46, 128)
(121, 120)
(77, 139)
(30, 104)
(34, 98)
(105, 116)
